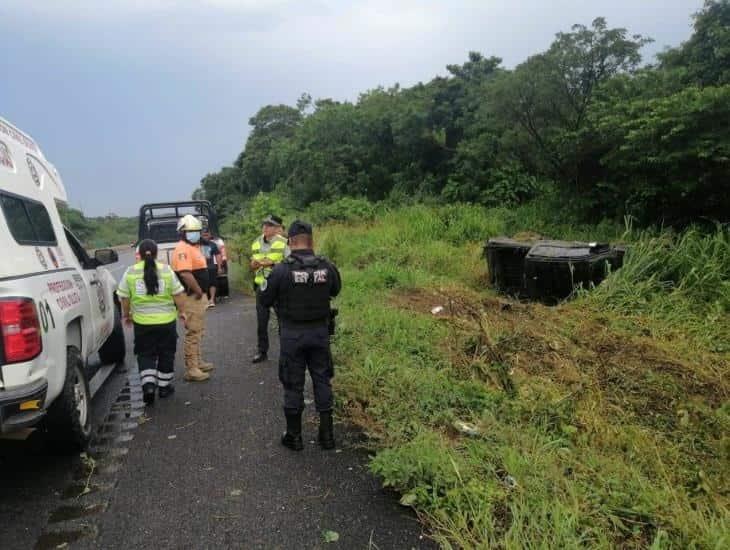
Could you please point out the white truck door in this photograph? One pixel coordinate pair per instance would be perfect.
(101, 320)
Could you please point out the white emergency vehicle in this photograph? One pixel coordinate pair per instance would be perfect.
(57, 303)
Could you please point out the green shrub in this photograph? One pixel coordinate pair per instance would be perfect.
(346, 210)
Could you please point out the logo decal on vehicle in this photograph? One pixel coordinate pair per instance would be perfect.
(101, 296)
(78, 281)
(33, 172)
(51, 255)
(41, 257)
(61, 257)
(5, 159)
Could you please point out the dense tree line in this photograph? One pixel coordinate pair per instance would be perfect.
(583, 123)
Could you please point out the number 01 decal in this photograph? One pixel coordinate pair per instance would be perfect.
(46, 315)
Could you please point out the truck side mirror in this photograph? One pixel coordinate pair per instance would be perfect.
(106, 256)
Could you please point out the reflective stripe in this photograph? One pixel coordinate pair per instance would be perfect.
(151, 376)
(152, 308)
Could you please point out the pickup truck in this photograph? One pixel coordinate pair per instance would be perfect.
(158, 221)
(57, 303)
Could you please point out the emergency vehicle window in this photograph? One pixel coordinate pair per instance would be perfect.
(41, 222)
(28, 221)
(78, 250)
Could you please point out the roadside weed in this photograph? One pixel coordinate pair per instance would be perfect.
(601, 422)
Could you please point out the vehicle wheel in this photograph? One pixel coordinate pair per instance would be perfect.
(115, 348)
(68, 420)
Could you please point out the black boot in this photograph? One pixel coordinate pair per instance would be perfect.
(148, 393)
(259, 358)
(166, 391)
(293, 436)
(326, 430)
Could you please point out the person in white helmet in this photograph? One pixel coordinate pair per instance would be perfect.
(190, 265)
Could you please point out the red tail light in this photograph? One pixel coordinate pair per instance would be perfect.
(21, 331)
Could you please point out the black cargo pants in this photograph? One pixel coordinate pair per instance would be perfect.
(154, 346)
(305, 349)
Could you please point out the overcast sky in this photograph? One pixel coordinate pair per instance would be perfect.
(136, 100)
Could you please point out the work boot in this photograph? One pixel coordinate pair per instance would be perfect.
(205, 366)
(292, 438)
(166, 391)
(148, 393)
(259, 358)
(326, 431)
(194, 374)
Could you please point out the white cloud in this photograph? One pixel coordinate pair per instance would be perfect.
(95, 11)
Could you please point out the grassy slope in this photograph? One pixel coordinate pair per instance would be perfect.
(602, 422)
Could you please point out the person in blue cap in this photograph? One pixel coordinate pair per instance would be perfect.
(301, 287)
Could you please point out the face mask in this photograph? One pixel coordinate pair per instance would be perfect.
(193, 237)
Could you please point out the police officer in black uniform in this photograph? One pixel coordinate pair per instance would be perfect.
(301, 287)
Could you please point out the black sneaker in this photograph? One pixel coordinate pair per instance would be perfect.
(148, 394)
(259, 358)
(166, 391)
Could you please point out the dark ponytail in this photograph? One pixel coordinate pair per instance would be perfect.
(148, 253)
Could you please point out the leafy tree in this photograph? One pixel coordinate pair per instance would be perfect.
(271, 124)
(705, 58)
(670, 158)
(581, 121)
(549, 95)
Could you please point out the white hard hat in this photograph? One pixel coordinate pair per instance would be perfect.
(189, 223)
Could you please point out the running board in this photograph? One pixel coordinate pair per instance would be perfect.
(97, 381)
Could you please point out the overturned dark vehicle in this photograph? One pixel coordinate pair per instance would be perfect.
(546, 270)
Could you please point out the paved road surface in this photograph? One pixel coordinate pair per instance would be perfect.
(203, 469)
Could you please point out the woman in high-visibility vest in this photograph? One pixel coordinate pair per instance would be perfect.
(152, 299)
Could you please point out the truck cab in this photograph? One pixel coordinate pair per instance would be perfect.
(57, 304)
(158, 221)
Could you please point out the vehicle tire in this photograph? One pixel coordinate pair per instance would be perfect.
(115, 348)
(68, 420)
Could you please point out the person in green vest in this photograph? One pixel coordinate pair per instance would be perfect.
(267, 250)
(152, 299)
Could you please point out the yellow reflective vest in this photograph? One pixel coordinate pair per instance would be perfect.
(275, 250)
(156, 309)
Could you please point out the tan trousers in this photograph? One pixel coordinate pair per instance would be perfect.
(195, 311)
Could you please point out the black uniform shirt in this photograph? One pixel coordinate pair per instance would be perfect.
(277, 283)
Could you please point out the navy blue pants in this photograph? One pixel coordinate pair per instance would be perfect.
(305, 349)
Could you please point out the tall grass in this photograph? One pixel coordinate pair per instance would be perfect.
(615, 433)
(682, 281)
